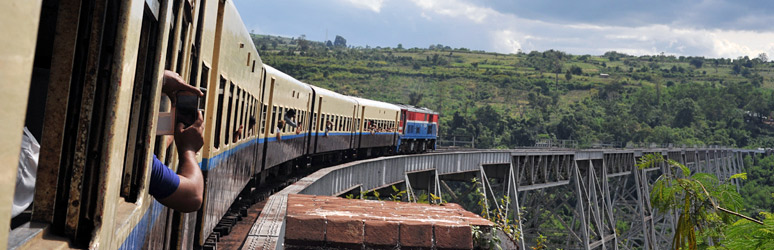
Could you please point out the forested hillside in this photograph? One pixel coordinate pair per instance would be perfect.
(516, 99)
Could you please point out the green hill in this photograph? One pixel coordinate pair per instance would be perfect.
(510, 100)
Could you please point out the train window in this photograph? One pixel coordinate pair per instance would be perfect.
(242, 111)
(184, 32)
(264, 108)
(301, 121)
(203, 86)
(230, 105)
(219, 108)
(281, 116)
(196, 45)
(251, 129)
(314, 123)
(172, 30)
(253, 66)
(140, 113)
(248, 58)
(324, 124)
(273, 119)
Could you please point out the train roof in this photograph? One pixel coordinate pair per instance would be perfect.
(416, 109)
(272, 71)
(372, 103)
(328, 93)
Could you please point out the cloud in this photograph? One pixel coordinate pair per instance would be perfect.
(509, 33)
(372, 5)
(506, 41)
(455, 8)
(711, 28)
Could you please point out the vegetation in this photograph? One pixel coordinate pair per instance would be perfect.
(706, 210)
(516, 99)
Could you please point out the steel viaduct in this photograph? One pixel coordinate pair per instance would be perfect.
(599, 197)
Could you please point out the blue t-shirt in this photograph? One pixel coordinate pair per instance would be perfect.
(163, 180)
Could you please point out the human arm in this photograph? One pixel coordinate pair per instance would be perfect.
(188, 196)
(238, 133)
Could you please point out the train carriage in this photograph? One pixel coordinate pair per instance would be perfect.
(339, 134)
(229, 154)
(377, 127)
(284, 94)
(92, 88)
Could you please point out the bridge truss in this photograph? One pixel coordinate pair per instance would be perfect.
(576, 199)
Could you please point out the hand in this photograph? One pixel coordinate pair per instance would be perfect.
(174, 83)
(190, 139)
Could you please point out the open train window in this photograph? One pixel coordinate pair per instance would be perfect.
(264, 108)
(140, 120)
(203, 86)
(256, 106)
(219, 108)
(314, 121)
(77, 128)
(239, 112)
(230, 105)
(273, 126)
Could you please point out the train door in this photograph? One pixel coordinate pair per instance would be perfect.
(352, 129)
(320, 123)
(269, 123)
(312, 134)
(362, 124)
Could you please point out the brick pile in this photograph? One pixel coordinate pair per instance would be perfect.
(330, 222)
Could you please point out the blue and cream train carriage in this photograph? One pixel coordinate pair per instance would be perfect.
(84, 76)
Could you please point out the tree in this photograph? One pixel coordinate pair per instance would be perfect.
(697, 62)
(340, 42)
(303, 44)
(400, 46)
(704, 205)
(763, 57)
(568, 76)
(328, 44)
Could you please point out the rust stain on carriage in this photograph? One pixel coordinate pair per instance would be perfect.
(56, 110)
(84, 124)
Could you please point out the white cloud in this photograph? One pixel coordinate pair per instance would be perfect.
(455, 8)
(506, 41)
(372, 5)
(509, 33)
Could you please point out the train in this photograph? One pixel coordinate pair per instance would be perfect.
(84, 77)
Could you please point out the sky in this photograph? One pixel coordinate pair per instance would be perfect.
(709, 28)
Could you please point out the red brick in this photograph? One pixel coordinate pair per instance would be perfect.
(416, 234)
(381, 233)
(452, 206)
(453, 236)
(344, 231)
(305, 230)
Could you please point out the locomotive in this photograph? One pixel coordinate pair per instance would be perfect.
(85, 78)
